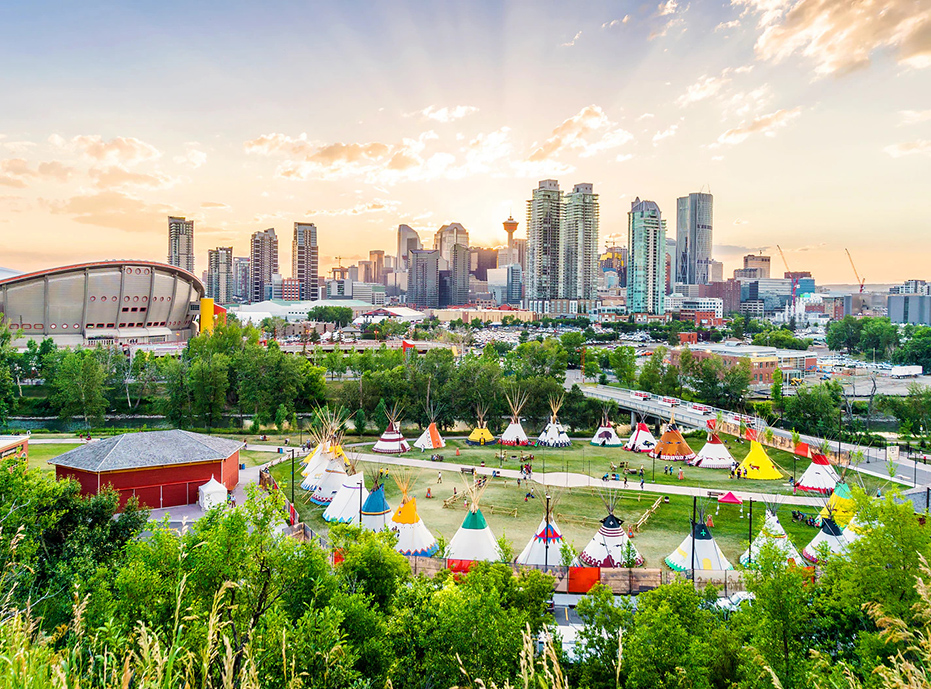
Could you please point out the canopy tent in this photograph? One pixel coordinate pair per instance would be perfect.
(211, 494)
(414, 538)
(641, 440)
(758, 464)
(610, 546)
(730, 499)
(672, 446)
(332, 479)
(554, 435)
(474, 540)
(831, 536)
(480, 435)
(606, 436)
(772, 532)
(713, 455)
(707, 553)
(514, 433)
(430, 439)
(391, 442)
(819, 477)
(346, 505)
(841, 506)
(375, 510)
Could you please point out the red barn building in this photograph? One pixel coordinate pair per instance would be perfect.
(160, 468)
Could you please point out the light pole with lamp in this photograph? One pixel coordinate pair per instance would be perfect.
(546, 535)
(292, 476)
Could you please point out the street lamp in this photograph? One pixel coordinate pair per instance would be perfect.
(292, 476)
(546, 535)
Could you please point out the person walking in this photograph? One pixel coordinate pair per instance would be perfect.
(439, 477)
(641, 482)
(625, 480)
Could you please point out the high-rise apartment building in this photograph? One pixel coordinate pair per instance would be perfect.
(759, 261)
(423, 282)
(263, 263)
(520, 246)
(305, 259)
(377, 259)
(578, 244)
(181, 243)
(482, 260)
(459, 264)
(515, 285)
(448, 236)
(715, 271)
(544, 220)
(220, 278)
(646, 267)
(241, 276)
(694, 219)
(408, 240)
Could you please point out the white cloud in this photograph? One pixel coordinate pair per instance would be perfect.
(616, 22)
(119, 178)
(623, 157)
(193, 157)
(744, 103)
(589, 132)
(668, 7)
(375, 206)
(572, 42)
(919, 146)
(914, 116)
(724, 26)
(705, 87)
(15, 147)
(646, 116)
(17, 172)
(120, 150)
(447, 114)
(665, 134)
(741, 221)
(765, 124)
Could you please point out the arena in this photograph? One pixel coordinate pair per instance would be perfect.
(107, 302)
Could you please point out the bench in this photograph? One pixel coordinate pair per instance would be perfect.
(467, 470)
(715, 493)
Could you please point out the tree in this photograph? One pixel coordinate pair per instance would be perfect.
(7, 360)
(79, 387)
(604, 620)
(340, 315)
(591, 369)
(814, 409)
(844, 334)
(359, 421)
(775, 390)
(207, 383)
(381, 416)
(572, 342)
(624, 365)
(782, 338)
(651, 373)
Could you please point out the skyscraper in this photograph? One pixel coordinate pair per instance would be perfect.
(544, 218)
(220, 279)
(263, 263)
(646, 267)
(694, 219)
(377, 259)
(305, 266)
(408, 240)
(459, 264)
(423, 282)
(760, 262)
(449, 235)
(181, 243)
(578, 244)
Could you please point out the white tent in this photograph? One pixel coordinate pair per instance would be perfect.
(606, 436)
(641, 440)
(543, 547)
(211, 494)
(514, 433)
(714, 455)
(707, 553)
(772, 532)
(430, 439)
(391, 442)
(610, 547)
(831, 535)
(474, 540)
(332, 478)
(347, 503)
(819, 477)
(554, 435)
(315, 465)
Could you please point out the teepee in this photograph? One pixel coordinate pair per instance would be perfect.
(707, 553)
(430, 439)
(346, 506)
(376, 514)
(641, 440)
(831, 535)
(480, 435)
(672, 446)
(314, 465)
(392, 442)
(543, 547)
(610, 546)
(333, 475)
(474, 539)
(841, 506)
(758, 464)
(414, 538)
(606, 436)
(819, 477)
(554, 435)
(514, 433)
(772, 532)
(714, 454)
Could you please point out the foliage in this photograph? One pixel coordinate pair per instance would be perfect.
(79, 387)
(814, 409)
(781, 338)
(340, 315)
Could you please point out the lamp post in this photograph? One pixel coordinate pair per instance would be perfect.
(292, 476)
(750, 534)
(694, 509)
(546, 535)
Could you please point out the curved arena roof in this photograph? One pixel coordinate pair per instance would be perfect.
(138, 301)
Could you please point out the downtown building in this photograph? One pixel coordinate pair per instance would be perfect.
(263, 264)
(305, 266)
(544, 220)
(220, 277)
(423, 286)
(181, 243)
(241, 276)
(694, 220)
(646, 268)
(578, 244)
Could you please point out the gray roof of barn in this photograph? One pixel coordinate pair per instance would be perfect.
(147, 450)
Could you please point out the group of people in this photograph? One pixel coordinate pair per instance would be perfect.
(737, 472)
(670, 471)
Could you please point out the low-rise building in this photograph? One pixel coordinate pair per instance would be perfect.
(763, 360)
(496, 316)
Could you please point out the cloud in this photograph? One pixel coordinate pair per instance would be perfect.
(810, 247)
(616, 22)
(840, 36)
(646, 116)
(121, 150)
(665, 134)
(908, 148)
(116, 177)
(914, 116)
(590, 132)
(765, 124)
(744, 103)
(741, 221)
(213, 204)
(705, 87)
(447, 114)
(623, 157)
(376, 206)
(17, 147)
(112, 209)
(667, 8)
(572, 42)
(736, 249)
(724, 26)
(192, 156)
(16, 172)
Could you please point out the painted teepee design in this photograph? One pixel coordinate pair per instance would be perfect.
(314, 464)
(414, 538)
(328, 481)
(841, 506)
(641, 440)
(714, 454)
(819, 477)
(707, 554)
(480, 435)
(514, 433)
(610, 546)
(672, 446)
(376, 513)
(346, 506)
(543, 549)
(554, 435)
(772, 532)
(430, 439)
(606, 436)
(392, 441)
(474, 540)
(831, 536)
(758, 464)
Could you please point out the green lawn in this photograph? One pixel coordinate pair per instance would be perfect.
(40, 454)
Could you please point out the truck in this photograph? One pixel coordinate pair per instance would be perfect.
(905, 371)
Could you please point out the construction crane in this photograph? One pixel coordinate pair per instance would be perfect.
(792, 275)
(860, 280)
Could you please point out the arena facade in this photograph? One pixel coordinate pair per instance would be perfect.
(106, 302)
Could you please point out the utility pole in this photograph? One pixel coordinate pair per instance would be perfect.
(292, 476)
(694, 508)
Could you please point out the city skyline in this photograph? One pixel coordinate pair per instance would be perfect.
(805, 141)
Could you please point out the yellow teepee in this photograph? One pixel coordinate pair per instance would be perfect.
(758, 464)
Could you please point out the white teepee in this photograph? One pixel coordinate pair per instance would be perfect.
(314, 465)
(707, 553)
(543, 547)
(830, 535)
(414, 538)
(347, 504)
(474, 540)
(554, 435)
(772, 532)
(819, 477)
(430, 439)
(641, 440)
(333, 476)
(514, 433)
(714, 454)
(376, 513)
(610, 546)
(606, 436)
(392, 441)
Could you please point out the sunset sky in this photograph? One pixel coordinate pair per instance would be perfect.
(809, 121)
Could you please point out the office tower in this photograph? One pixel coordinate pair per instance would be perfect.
(481, 261)
(377, 259)
(694, 219)
(715, 271)
(646, 265)
(181, 243)
(506, 256)
(263, 263)
(293, 289)
(408, 240)
(761, 262)
(544, 219)
(578, 244)
(366, 272)
(615, 259)
(423, 282)
(515, 289)
(241, 278)
(671, 253)
(448, 236)
(220, 278)
(305, 258)
(459, 263)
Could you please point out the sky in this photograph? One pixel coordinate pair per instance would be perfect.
(809, 121)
